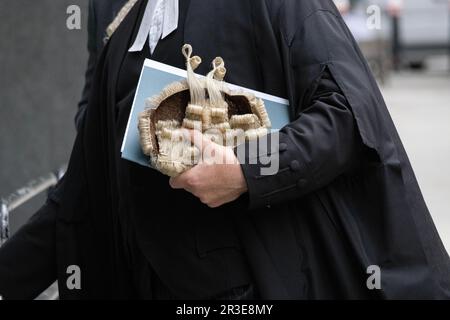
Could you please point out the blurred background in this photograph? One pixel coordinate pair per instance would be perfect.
(42, 62)
(42, 66)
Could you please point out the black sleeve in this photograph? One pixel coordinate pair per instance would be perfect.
(339, 118)
(28, 259)
(92, 48)
(312, 151)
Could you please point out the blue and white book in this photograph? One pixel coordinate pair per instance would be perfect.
(155, 76)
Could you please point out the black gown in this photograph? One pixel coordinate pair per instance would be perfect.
(345, 199)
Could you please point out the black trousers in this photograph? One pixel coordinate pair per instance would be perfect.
(28, 259)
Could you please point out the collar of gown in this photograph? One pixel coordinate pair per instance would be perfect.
(160, 19)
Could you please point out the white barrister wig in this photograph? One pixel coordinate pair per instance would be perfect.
(206, 104)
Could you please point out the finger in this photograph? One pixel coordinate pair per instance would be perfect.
(184, 181)
(215, 205)
(177, 183)
(197, 138)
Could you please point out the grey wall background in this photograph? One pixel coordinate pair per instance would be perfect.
(42, 65)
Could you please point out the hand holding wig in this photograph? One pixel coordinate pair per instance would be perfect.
(227, 117)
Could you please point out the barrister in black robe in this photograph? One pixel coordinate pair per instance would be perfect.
(345, 198)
